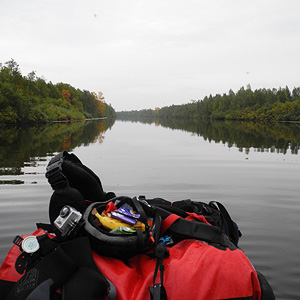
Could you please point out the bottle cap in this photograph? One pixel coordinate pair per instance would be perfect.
(30, 244)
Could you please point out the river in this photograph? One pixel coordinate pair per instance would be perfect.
(253, 169)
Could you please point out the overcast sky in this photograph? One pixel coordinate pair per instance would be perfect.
(154, 53)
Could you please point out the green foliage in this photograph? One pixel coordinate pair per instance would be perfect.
(28, 99)
(8, 115)
(109, 111)
(245, 104)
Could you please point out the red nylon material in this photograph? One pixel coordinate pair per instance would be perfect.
(194, 271)
(194, 216)
(7, 270)
(167, 222)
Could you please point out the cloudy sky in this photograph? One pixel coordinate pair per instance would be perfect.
(154, 53)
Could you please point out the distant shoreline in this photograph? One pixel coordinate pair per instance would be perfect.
(78, 120)
(288, 122)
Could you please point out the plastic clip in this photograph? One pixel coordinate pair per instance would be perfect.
(18, 241)
(54, 173)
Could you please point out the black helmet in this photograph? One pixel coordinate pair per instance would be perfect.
(125, 245)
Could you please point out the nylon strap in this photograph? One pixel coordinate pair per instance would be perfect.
(232, 232)
(54, 173)
(140, 210)
(157, 291)
(167, 222)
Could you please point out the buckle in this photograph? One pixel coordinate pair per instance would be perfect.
(54, 165)
(54, 173)
(18, 241)
(56, 162)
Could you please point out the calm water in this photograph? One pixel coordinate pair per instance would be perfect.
(252, 169)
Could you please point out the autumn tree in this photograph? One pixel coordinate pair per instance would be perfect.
(66, 94)
(100, 107)
(30, 99)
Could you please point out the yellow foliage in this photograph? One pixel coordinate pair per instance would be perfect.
(100, 105)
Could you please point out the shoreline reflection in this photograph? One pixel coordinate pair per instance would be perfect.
(263, 137)
(28, 145)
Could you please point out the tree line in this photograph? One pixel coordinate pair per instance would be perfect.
(258, 105)
(30, 99)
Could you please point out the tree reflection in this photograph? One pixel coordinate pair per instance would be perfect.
(25, 146)
(259, 136)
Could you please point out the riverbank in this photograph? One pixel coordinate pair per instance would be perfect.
(79, 120)
(32, 100)
(263, 105)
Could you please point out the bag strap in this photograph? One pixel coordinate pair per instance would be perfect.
(54, 173)
(158, 291)
(143, 218)
(167, 222)
(26, 260)
(233, 233)
(186, 228)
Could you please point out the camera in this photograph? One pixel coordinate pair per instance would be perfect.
(67, 220)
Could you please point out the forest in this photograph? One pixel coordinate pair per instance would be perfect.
(30, 99)
(245, 104)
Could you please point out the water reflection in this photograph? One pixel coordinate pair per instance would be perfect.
(263, 137)
(27, 146)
